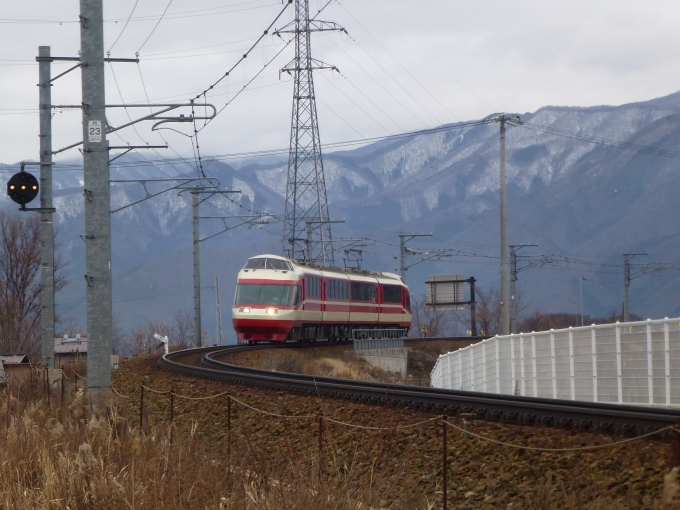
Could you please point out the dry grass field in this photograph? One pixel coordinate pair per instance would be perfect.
(92, 454)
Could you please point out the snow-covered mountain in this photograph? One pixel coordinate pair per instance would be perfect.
(576, 199)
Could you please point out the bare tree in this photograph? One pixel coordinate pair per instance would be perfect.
(429, 322)
(184, 324)
(20, 303)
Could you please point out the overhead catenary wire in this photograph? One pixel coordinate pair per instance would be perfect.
(154, 28)
(124, 27)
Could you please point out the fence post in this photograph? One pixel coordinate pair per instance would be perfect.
(674, 454)
(471, 361)
(229, 428)
(553, 363)
(533, 363)
(75, 383)
(62, 388)
(483, 345)
(619, 382)
(667, 361)
(498, 371)
(512, 364)
(460, 369)
(521, 364)
(593, 348)
(650, 380)
(444, 462)
(141, 407)
(47, 385)
(172, 413)
(320, 445)
(572, 379)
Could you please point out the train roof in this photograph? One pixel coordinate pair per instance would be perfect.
(332, 269)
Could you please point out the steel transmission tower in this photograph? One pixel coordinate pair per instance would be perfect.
(306, 200)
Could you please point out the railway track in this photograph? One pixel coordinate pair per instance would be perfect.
(593, 416)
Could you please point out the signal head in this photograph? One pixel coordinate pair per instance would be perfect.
(22, 188)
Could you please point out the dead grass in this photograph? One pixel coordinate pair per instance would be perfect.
(84, 455)
(88, 454)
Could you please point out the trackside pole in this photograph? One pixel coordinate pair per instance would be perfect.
(674, 457)
(141, 407)
(97, 197)
(46, 224)
(172, 413)
(444, 462)
(228, 428)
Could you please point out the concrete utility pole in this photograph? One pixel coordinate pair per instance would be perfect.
(626, 284)
(403, 251)
(514, 248)
(97, 197)
(505, 301)
(197, 269)
(219, 312)
(502, 118)
(580, 282)
(46, 224)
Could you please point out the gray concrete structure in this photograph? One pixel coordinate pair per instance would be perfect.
(392, 360)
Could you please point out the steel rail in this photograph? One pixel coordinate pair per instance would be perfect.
(568, 414)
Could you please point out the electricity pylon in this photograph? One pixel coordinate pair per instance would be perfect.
(306, 198)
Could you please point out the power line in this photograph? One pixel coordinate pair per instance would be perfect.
(124, 26)
(154, 28)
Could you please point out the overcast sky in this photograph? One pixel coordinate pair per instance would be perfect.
(405, 65)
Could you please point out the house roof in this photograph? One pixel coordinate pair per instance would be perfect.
(71, 346)
(13, 359)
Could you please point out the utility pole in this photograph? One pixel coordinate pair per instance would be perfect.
(46, 224)
(97, 197)
(306, 185)
(514, 248)
(626, 284)
(219, 313)
(580, 282)
(197, 268)
(505, 302)
(403, 251)
(502, 118)
(219, 310)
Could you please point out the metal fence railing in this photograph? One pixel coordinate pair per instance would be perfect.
(369, 339)
(627, 363)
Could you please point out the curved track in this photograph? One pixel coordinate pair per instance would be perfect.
(612, 418)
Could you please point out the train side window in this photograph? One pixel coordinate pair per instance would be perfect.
(363, 291)
(313, 285)
(408, 302)
(392, 294)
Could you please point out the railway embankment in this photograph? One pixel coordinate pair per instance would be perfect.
(517, 467)
(340, 361)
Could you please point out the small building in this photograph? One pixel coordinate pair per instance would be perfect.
(11, 364)
(69, 349)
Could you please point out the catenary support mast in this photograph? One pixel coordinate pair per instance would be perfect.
(46, 224)
(97, 197)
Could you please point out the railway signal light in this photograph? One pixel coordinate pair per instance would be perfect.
(22, 188)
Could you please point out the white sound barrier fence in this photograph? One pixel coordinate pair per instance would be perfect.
(634, 363)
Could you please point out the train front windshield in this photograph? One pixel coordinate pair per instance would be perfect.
(265, 294)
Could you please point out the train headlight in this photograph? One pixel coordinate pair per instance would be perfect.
(244, 310)
(272, 311)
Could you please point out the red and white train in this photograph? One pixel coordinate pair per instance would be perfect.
(279, 299)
